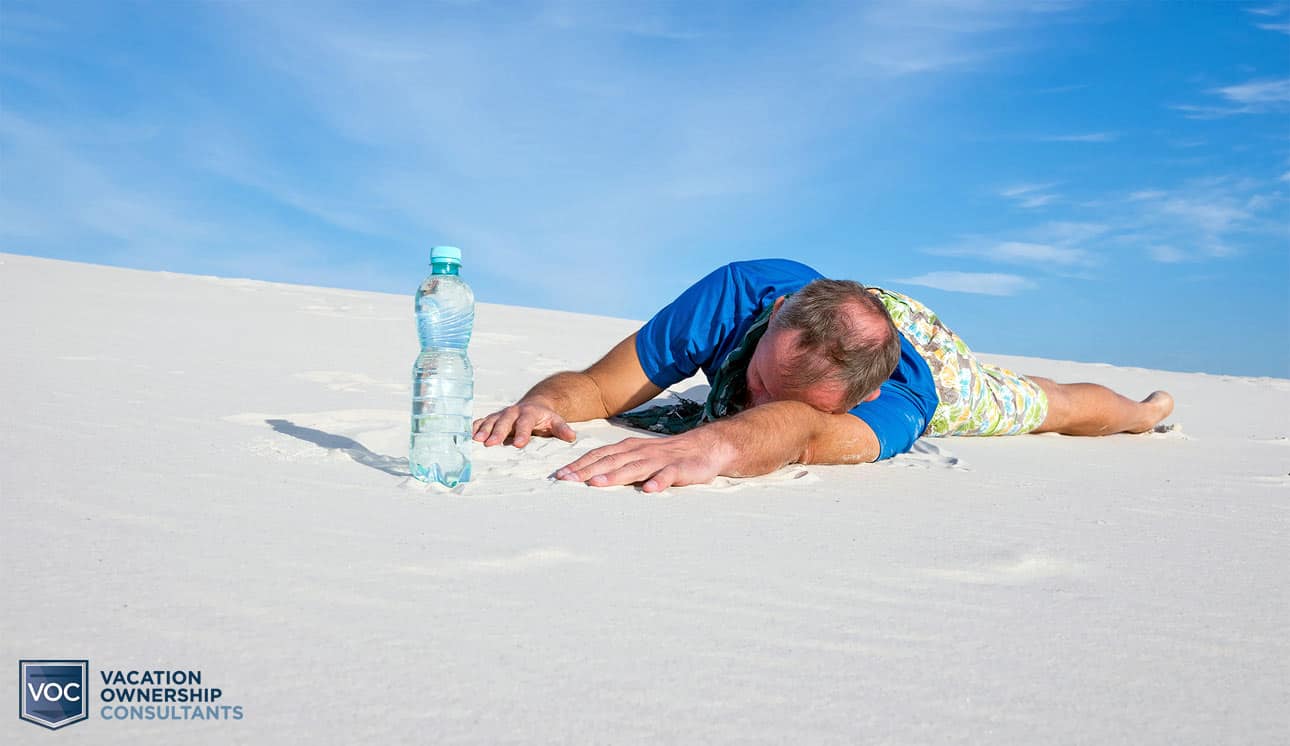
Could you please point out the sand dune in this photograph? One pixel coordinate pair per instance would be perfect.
(210, 473)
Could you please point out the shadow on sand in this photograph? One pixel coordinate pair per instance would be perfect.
(397, 467)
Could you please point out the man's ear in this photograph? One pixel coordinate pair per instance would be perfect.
(778, 302)
(872, 396)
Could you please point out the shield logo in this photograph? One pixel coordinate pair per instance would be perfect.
(53, 693)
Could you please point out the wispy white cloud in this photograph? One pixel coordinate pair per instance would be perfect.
(223, 153)
(1021, 190)
(1251, 97)
(1066, 233)
(1030, 195)
(1271, 11)
(649, 21)
(917, 37)
(1208, 111)
(93, 198)
(1201, 219)
(1037, 200)
(1257, 92)
(1055, 246)
(121, 216)
(1020, 252)
(1063, 88)
(1210, 218)
(982, 283)
(1198, 220)
(1167, 254)
(1084, 137)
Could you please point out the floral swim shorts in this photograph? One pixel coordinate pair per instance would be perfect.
(976, 398)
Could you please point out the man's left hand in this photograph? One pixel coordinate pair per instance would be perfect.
(696, 457)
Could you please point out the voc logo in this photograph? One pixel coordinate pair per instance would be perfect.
(53, 693)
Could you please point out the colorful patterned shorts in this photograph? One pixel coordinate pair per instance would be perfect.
(976, 398)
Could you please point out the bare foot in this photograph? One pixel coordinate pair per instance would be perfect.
(1156, 408)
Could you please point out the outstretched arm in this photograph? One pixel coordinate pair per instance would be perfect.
(614, 384)
(756, 441)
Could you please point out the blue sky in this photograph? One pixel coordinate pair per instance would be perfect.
(1098, 181)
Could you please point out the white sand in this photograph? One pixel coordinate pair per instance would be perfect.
(1039, 589)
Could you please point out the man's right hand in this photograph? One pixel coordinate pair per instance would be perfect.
(615, 384)
(519, 422)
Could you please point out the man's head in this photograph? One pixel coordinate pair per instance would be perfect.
(830, 344)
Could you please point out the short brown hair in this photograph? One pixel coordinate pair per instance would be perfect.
(845, 327)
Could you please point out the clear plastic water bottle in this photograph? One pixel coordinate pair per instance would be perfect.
(443, 381)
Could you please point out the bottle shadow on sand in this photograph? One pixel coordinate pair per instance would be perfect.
(397, 467)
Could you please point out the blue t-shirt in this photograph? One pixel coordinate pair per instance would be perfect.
(702, 326)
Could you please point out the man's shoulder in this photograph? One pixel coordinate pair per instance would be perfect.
(767, 279)
(775, 267)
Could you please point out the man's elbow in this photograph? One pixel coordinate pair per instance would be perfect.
(841, 442)
(831, 455)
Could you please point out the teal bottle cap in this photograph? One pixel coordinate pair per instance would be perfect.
(450, 254)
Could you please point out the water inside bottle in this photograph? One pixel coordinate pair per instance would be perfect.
(442, 382)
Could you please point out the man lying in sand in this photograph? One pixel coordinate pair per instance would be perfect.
(802, 370)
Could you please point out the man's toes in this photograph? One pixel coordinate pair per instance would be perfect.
(1162, 401)
(1159, 405)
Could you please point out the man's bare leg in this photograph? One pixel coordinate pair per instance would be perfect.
(1090, 409)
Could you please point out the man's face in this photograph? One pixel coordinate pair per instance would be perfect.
(770, 376)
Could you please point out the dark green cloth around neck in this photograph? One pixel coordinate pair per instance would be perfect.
(728, 394)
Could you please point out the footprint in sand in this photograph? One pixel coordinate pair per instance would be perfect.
(536, 461)
(926, 455)
(794, 474)
(366, 311)
(494, 338)
(1009, 568)
(340, 380)
(535, 559)
(544, 366)
(1275, 480)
